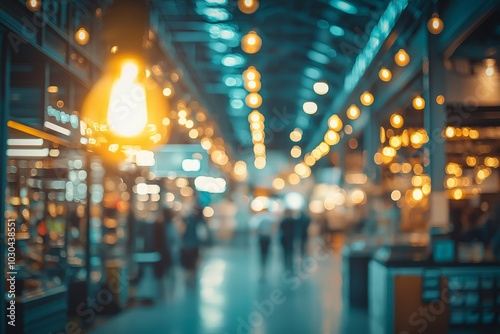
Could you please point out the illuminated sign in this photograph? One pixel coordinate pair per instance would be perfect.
(180, 160)
(191, 165)
(61, 122)
(62, 117)
(213, 185)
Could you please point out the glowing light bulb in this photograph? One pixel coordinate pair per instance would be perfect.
(33, 5)
(396, 121)
(82, 36)
(440, 99)
(127, 109)
(167, 91)
(251, 43)
(417, 194)
(435, 25)
(296, 151)
(418, 103)
(253, 100)
(353, 112)
(253, 86)
(278, 183)
(251, 73)
(385, 74)
(402, 58)
(260, 162)
(335, 123)
(248, 6)
(366, 98)
(331, 137)
(310, 107)
(296, 135)
(320, 88)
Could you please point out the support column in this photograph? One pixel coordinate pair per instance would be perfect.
(4, 116)
(435, 123)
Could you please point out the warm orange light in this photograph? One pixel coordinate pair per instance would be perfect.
(251, 43)
(253, 100)
(335, 123)
(260, 162)
(440, 99)
(353, 112)
(248, 6)
(125, 108)
(278, 183)
(402, 58)
(253, 86)
(385, 74)
(255, 116)
(293, 179)
(251, 73)
(296, 135)
(331, 137)
(457, 194)
(296, 152)
(366, 98)
(435, 25)
(82, 36)
(167, 91)
(33, 5)
(396, 121)
(418, 103)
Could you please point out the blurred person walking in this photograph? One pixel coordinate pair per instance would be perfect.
(287, 233)
(264, 223)
(172, 235)
(302, 232)
(191, 242)
(162, 248)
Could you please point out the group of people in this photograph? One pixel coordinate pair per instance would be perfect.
(292, 230)
(178, 243)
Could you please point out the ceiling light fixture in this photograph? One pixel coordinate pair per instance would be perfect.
(402, 58)
(353, 112)
(310, 107)
(366, 98)
(320, 88)
(385, 74)
(251, 43)
(82, 36)
(435, 25)
(248, 6)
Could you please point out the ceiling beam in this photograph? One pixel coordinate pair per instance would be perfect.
(345, 94)
(461, 20)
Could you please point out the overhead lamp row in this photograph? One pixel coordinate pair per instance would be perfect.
(256, 120)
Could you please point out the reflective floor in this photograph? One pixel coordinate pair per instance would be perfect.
(230, 296)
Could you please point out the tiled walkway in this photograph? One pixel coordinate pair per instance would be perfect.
(230, 297)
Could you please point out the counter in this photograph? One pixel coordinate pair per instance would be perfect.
(410, 294)
(43, 311)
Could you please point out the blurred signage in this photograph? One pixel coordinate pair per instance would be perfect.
(191, 165)
(331, 175)
(61, 122)
(180, 160)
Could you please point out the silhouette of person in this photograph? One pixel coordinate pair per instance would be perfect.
(287, 229)
(161, 245)
(302, 227)
(264, 223)
(191, 242)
